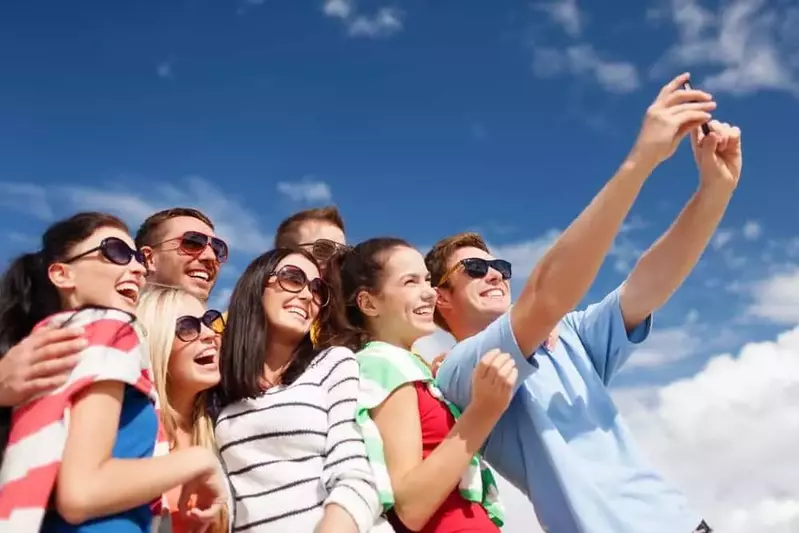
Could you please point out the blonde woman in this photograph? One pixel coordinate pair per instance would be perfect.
(183, 342)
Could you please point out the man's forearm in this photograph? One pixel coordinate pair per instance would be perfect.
(567, 270)
(664, 267)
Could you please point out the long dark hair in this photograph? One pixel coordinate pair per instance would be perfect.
(243, 353)
(26, 294)
(349, 273)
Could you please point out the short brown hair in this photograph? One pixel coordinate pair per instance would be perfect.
(150, 232)
(438, 257)
(288, 232)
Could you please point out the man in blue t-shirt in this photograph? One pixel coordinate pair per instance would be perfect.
(562, 441)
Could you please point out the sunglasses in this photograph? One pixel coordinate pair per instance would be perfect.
(115, 250)
(187, 328)
(193, 243)
(323, 249)
(477, 268)
(293, 279)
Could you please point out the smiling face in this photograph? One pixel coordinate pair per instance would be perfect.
(95, 280)
(475, 299)
(401, 311)
(171, 265)
(289, 314)
(194, 362)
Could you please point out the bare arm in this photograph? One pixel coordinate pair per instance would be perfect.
(567, 270)
(664, 267)
(421, 486)
(92, 484)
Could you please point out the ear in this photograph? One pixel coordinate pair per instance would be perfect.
(444, 300)
(149, 261)
(61, 276)
(367, 304)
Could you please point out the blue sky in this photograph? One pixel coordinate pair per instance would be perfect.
(418, 119)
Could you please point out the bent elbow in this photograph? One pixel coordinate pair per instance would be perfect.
(413, 519)
(72, 506)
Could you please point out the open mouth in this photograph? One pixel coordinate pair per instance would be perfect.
(298, 311)
(425, 310)
(129, 292)
(200, 274)
(493, 293)
(206, 358)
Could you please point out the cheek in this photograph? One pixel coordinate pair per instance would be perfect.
(179, 367)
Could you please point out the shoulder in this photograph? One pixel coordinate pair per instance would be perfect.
(498, 334)
(107, 327)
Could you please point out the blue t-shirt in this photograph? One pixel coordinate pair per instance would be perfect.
(138, 426)
(561, 441)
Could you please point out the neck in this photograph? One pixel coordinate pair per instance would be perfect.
(183, 406)
(278, 355)
(469, 328)
(384, 335)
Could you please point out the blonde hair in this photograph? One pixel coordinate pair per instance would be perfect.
(157, 313)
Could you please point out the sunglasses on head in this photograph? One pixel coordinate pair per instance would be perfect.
(193, 243)
(188, 328)
(477, 268)
(293, 279)
(323, 249)
(115, 250)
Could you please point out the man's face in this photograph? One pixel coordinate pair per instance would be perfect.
(321, 238)
(312, 231)
(468, 297)
(171, 264)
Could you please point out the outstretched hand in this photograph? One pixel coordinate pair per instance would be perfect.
(718, 155)
(674, 113)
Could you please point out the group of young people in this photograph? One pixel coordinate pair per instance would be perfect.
(130, 406)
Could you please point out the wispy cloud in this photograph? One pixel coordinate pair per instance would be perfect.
(566, 14)
(583, 61)
(26, 198)
(307, 191)
(386, 21)
(233, 221)
(748, 45)
(165, 70)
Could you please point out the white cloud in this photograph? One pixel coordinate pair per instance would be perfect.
(583, 61)
(234, 222)
(749, 45)
(26, 198)
(777, 298)
(565, 13)
(721, 238)
(727, 436)
(306, 191)
(752, 230)
(386, 21)
(164, 70)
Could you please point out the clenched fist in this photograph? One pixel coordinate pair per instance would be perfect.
(492, 382)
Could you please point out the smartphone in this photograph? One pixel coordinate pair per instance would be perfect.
(688, 87)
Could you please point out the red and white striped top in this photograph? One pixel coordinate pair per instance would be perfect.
(39, 427)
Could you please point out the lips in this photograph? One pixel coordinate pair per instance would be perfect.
(493, 292)
(424, 310)
(206, 357)
(201, 274)
(297, 311)
(129, 290)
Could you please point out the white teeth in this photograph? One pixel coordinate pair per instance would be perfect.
(493, 292)
(297, 311)
(424, 311)
(200, 274)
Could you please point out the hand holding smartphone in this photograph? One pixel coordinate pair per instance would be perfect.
(688, 87)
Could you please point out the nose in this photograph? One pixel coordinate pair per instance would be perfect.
(493, 276)
(207, 334)
(207, 254)
(305, 293)
(137, 269)
(429, 294)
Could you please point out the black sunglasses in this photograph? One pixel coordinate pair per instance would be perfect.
(115, 250)
(293, 279)
(323, 249)
(193, 243)
(187, 328)
(477, 268)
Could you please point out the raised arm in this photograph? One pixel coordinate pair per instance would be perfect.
(89, 479)
(565, 273)
(421, 486)
(352, 504)
(664, 267)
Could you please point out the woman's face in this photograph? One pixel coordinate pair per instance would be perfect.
(194, 360)
(404, 306)
(289, 305)
(96, 280)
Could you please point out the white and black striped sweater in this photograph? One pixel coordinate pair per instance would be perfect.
(296, 448)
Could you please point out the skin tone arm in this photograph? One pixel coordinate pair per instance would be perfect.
(89, 484)
(565, 273)
(421, 486)
(664, 267)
